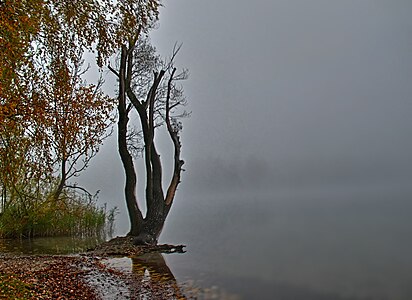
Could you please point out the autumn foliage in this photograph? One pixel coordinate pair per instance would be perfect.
(52, 121)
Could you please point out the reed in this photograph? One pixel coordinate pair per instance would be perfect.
(72, 214)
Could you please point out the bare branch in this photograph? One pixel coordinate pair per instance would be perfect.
(76, 187)
(113, 71)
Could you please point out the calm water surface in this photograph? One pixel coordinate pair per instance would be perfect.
(312, 244)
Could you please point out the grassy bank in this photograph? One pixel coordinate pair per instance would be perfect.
(70, 215)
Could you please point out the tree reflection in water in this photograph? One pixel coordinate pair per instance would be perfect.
(156, 280)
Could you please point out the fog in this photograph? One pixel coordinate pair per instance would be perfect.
(286, 93)
(301, 125)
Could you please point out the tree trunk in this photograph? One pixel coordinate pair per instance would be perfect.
(147, 230)
(153, 224)
(62, 182)
(135, 215)
(157, 210)
(158, 206)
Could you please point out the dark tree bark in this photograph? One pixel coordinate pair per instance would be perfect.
(62, 182)
(158, 206)
(135, 215)
(147, 230)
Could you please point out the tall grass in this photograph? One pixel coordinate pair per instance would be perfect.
(72, 214)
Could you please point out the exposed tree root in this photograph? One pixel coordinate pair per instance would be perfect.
(123, 246)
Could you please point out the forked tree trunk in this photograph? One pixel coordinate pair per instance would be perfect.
(146, 230)
(158, 206)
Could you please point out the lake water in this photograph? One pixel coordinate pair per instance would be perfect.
(348, 243)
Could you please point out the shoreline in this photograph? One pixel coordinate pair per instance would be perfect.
(44, 277)
(78, 277)
(115, 269)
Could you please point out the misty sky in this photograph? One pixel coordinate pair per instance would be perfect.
(291, 91)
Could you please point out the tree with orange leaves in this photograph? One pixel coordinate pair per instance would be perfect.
(78, 118)
(52, 122)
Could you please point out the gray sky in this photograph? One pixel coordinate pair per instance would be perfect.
(296, 84)
(291, 91)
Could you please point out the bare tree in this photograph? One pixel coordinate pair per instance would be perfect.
(150, 86)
